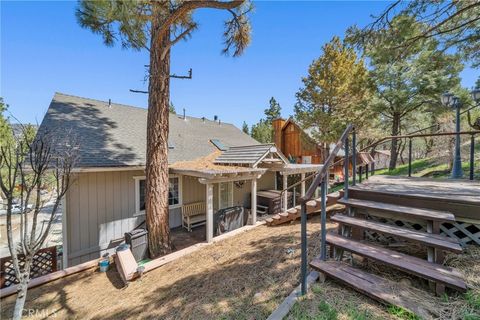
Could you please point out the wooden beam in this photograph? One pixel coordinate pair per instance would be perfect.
(253, 203)
(238, 177)
(209, 198)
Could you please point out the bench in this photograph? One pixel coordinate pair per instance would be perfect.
(193, 215)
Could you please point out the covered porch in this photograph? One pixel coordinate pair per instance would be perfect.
(223, 189)
(225, 185)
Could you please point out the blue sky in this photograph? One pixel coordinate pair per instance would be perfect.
(43, 50)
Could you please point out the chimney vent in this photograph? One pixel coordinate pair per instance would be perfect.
(203, 119)
(184, 117)
(109, 103)
(215, 118)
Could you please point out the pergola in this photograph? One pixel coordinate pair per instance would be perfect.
(240, 164)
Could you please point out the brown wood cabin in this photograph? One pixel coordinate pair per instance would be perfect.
(299, 147)
(295, 143)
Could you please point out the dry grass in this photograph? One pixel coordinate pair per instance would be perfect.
(334, 301)
(244, 277)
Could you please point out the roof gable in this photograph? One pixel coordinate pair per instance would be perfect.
(251, 155)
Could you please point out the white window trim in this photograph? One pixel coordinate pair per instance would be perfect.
(220, 196)
(137, 179)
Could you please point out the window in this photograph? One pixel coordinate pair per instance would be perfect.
(219, 144)
(141, 200)
(173, 191)
(174, 194)
(225, 195)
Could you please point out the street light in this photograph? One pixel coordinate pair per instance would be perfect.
(449, 100)
(475, 93)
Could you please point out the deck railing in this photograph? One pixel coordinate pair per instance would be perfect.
(371, 147)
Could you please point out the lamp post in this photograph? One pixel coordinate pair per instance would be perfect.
(450, 100)
(475, 93)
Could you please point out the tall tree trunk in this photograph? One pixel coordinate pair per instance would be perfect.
(156, 200)
(394, 143)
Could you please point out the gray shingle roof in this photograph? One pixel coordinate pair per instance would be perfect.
(251, 155)
(116, 136)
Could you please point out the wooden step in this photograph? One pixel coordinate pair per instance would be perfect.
(373, 286)
(413, 265)
(331, 197)
(428, 239)
(418, 213)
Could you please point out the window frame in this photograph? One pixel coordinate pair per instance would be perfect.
(137, 179)
(230, 204)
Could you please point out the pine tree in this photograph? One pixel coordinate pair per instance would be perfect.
(408, 83)
(273, 112)
(157, 26)
(171, 108)
(262, 131)
(245, 128)
(335, 92)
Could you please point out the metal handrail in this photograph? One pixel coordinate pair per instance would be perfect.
(321, 181)
(311, 190)
(410, 136)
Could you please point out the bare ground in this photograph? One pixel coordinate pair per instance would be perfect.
(243, 277)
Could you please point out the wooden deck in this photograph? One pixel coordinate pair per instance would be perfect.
(443, 189)
(460, 197)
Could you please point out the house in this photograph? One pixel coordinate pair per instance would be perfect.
(212, 166)
(300, 146)
(296, 143)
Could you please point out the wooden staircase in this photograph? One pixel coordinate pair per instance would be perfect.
(292, 214)
(350, 237)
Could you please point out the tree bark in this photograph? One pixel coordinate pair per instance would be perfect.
(394, 143)
(157, 184)
(22, 288)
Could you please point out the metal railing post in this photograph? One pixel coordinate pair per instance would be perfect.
(323, 251)
(346, 165)
(294, 196)
(472, 156)
(304, 247)
(360, 174)
(410, 157)
(354, 157)
(366, 172)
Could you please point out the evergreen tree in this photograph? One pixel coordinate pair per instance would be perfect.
(273, 112)
(335, 93)
(157, 26)
(245, 128)
(171, 109)
(411, 82)
(454, 24)
(262, 131)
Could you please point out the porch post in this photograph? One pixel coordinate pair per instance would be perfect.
(253, 202)
(285, 194)
(209, 188)
(302, 189)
